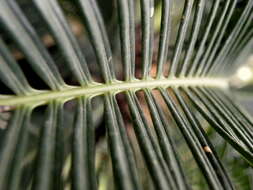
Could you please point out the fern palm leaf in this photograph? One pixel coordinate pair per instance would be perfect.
(209, 46)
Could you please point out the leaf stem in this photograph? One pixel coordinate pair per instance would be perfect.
(71, 92)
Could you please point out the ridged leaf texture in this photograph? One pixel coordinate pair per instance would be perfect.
(162, 91)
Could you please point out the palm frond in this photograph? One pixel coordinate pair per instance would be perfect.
(211, 40)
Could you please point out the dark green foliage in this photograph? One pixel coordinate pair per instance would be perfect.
(153, 112)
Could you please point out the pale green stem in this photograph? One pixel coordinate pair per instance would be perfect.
(72, 92)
